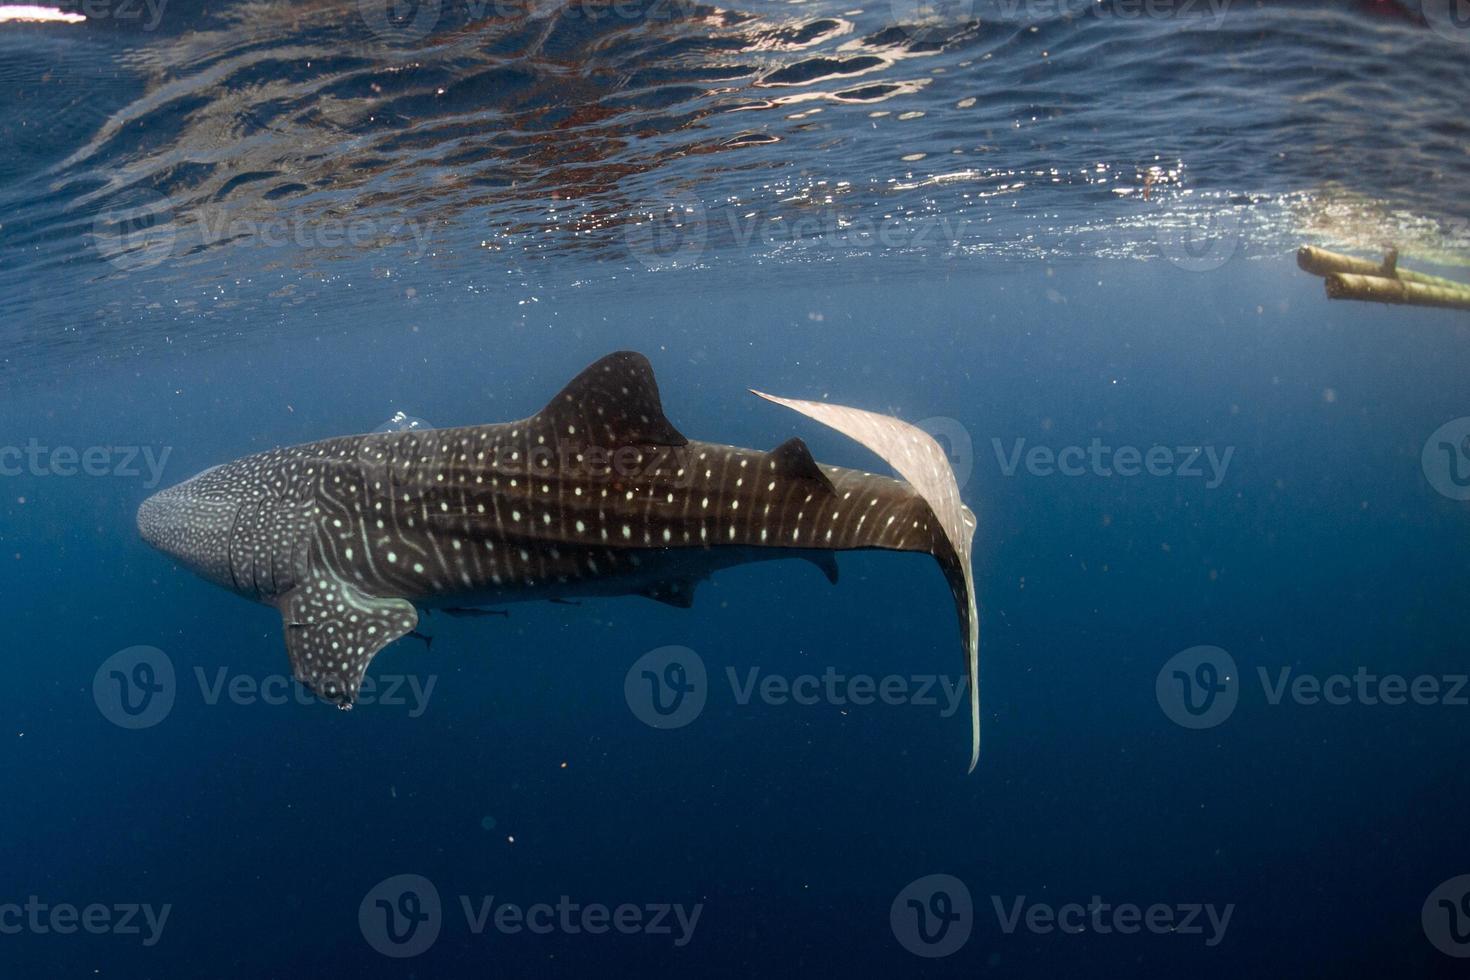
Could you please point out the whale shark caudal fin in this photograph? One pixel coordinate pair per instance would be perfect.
(920, 460)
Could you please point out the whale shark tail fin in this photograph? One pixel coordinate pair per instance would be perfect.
(920, 460)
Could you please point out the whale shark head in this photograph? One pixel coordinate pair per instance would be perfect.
(191, 523)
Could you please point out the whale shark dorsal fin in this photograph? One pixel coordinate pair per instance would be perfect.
(921, 461)
(333, 630)
(614, 402)
(793, 459)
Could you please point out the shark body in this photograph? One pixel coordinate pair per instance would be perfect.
(597, 494)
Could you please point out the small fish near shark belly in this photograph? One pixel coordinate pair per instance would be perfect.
(596, 494)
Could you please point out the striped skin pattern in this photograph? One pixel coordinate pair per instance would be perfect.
(597, 494)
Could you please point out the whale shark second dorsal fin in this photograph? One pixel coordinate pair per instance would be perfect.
(923, 463)
(612, 403)
(793, 459)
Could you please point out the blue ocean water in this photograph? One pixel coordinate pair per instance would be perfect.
(1220, 517)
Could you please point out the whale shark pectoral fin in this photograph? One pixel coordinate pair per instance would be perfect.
(333, 630)
(613, 403)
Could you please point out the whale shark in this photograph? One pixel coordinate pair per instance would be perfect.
(597, 494)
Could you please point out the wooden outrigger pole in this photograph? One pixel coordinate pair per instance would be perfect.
(1374, 282)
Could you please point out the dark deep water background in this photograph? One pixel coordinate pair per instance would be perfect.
(1055, 313)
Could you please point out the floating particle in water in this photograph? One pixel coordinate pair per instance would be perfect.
(487, 823)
